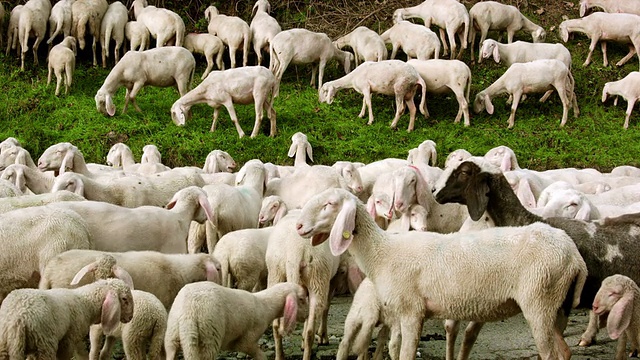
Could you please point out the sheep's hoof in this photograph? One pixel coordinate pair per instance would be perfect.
(584, 342)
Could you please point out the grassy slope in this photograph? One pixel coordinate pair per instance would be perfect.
(30, 112)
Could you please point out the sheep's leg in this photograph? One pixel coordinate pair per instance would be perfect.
(105, 49)
(49, 74)
(36, 44)
(605, 60)
(621, 347)
(411, 328)
(364, 107)
(451, 328)
(592, 47)
(95, 337)
(309, 326)
(259, 100)
(350, 332)
(444, 44)
(69, 68)
(382, 341)
(219, 61)
(408, 99)
(232, 113)
(544, 332)
(632, 51)
(59, 80)
(257, 48)
(514, 107)
(253, 350)
(367, 96)
(472, 39)
(105, 353)
(395, 341)
(232, 55)
(470, 336)
(132, 94)
(196, 237)
(630, 105)
(216, 113)
(314, 71)
(463, 107)
(126, 100)
(93, 48)
(546, 95)
(117, 51)
(394, 51)
(451, 34)
(321, 67)
(399, 108)
(566, 102)
(589, 335)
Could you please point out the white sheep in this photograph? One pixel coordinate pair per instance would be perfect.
(8, 189)
(349, 171)
(9, 142)
(162, 67)
(418, 220)
(33, 23)
(522, 51)
(60, 20)
(443, 76)
(567, 203)
(12, 29)
(64, 156)
(366, 44)
(369, 173)
(232, 30)
(502, 157)
(162, 275)
(301, 149)
(137, 34)
(456, 157)
(62, 59)
(207, 45)
(18, 202)
(150, 154)
(53, 323)
(415, 40)
(263, 28)
(163, 24)
(250, 84)
(622, 196)
(449, 15)
(112, 27)
(15, 154)
(425, 153)
(121, 156)
(26, 178)
(235, 319)
(218, 161)
(617, 301)
(534, 76)
(272, 210)
(610, 6)
(492, 15)
(622, 170)
(603, 27)
(627, 88)
(417, 277)
(88, 13)
(389, 77)
(301, 46)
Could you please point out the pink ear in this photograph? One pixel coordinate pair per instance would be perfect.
(212, 271)
(282, 211)
(354, 278)
(620, 316)
(342, 230)
(506, 165)
(111, 108)
(110, 317)
(67, 161)
(290, 313)
(371, 207)
(525, 194)
(82, 272)
(204, 202)
(123, 275)
(422, 190)
(171, 204)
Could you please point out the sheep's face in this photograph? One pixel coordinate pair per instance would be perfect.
(104, 103)
(566, 203)
(353, 179)
(52, 158)
(482, 102)
(12, 155)
(179, 114)
(320, 213)
(564, 33)
(68, 181)
(608, 295)
(270, 207)
(418, 218)
(326, 93)
(457, 184)
(539, 35)
(398, 16)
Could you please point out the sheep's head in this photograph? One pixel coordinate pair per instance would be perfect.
(68, 181)
(13, 155)
(398, 15)
(326, 93)
(114, 156)
(211, 12)
(539, 35)
(614, 301)
(456, 156)
(489, 47)
(482, 102)
(503, 157)
(353, 179)
(605, 92)
(564, 32)
(15, 175)
(381, 204)
(151, 154)
(202, 210)
(218, 161)
(117, 305)
(272, 210)
(567, 203)
(7, 143)
(418, 216)
(179, 114)
(58, 157)
(104, 103)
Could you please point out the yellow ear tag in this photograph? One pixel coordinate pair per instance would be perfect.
(346, 234)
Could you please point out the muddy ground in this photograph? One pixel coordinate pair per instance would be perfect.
(509, 339)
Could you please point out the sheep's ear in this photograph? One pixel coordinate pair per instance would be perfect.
(605, 92)
(585, 211)
(292, 150)
(477, 194)
(111, 108)
(82, 272)
(290, 313)
(371, 206)
(506, 164)
(110, 317)
(282, 211)
(564, 33)
(206, 206)
(67, 161)
(620, 316)
(525, 194)
(255, 6)
(342, 231)
(21, 158)
(487, 104)
(309, 151)
(496, 54)
(212, 271)
(434, 158)
(123, 275)
(583, 8)
(422, 189)
(21, 181)
(79, 188)
(405, 222)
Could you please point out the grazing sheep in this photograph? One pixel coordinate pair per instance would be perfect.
(13, 38)
(163, 24)
(301, 46)
(365, 43)
(112, 27)
(617, 300)
(32, 23)
(62, 58)
(443, 76)
(604, 27)
(137, 34)
(416, 280)
(60, 20)
(522, 51)
(207, 45)
(88, 13)
(627, 88)
(415, 40)
(263, 28)
(143, 267)
(250, 84)
(389, 77)
(52, 324)
(232, 30)
(534, 76)
(449, 15)
(610, 6)
(492, 15)
(162, 67)
(234, 319)
(603, 244)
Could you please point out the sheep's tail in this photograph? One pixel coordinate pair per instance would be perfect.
(572, 298)
(107, 40)
(157, 341)
(274, 65)
(56, 32)
(189, 338)
(24, 30)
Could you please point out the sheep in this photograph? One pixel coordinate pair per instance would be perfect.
(12, 30)
(60, 20)
(32, 22)
(456, 156)
(301, 46)
(53, 323)
(602, 244)
(238, 329)
(13, 154)
(449, 15)
(503, 157)
(263, 28)
(389, 77)
(18, 202)
(137, 34)
(369, 173)
(162, 275)
(365, 43)
(521, 51)
(272, 210)
(534, 76)
(617, 301)
(417, 220)
(219, 161)
(112, 27)
(291, 258)
(250, 84)
(301, 149)
(62, 58)
(163, 24)
(63, 157)
(44, 232)
(9, 189)
(569, 203)
(353, 180)
(492, 15)
(622, 196)
(232, 30)
(415, 40)
(26, 178)
(207, 45)
(626, 87)
(425, 153)
(88, 12)
(603, 27)
(441, 76)
(151, 154)
(161, 67)
(610, 6)
(623, 170)
(417, 282)
(120, 155)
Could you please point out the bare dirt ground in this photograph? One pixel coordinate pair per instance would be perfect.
(509, 339)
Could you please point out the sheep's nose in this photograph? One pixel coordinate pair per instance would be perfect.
(298, 226)
(398, 204)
